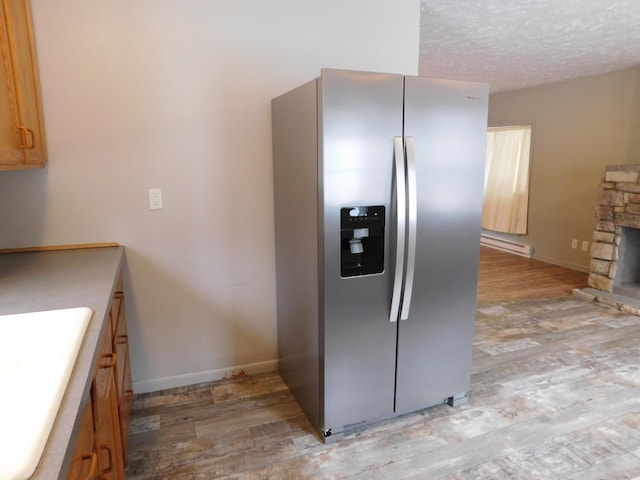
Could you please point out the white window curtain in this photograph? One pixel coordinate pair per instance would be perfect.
(506, 181)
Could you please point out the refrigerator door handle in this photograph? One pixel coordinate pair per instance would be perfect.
(412, 196)
(401, 214)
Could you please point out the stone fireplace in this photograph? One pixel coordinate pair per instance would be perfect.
(615, 251)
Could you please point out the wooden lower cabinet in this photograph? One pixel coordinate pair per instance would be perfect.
(124, 411)
(85, 459)
(106, 418)
(101, 448)
(123, 369)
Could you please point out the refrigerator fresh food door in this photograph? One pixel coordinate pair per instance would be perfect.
(447, 121)
(360, 114)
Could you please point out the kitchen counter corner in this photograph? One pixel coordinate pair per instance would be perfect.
(50, 280)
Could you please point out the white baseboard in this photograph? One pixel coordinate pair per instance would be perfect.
(201, 377)
(561, 263)
(506, 245)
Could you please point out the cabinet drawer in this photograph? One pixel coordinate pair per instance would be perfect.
(103, 377)
(116, 312)
(121, 348)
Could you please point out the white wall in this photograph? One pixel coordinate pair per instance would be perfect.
(175, 94)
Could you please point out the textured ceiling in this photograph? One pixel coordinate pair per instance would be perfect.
(513, 44)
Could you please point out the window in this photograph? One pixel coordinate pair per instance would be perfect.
(506, 181)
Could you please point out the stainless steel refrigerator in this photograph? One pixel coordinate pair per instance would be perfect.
(378, 182)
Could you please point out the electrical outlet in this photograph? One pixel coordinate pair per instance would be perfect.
(155, 199)
(574, 243)
(585, 245)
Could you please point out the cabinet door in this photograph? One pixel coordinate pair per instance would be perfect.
(124, 411)
(123, 368)
(120, 338)
(22, 140)
(105, 407)
(85, 459)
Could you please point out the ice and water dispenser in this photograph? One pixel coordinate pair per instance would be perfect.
(362, 240)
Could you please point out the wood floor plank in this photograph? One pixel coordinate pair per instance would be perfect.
(555, 394)
(528, 435)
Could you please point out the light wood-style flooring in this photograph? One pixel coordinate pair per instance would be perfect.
(504, 276)
(555, 394)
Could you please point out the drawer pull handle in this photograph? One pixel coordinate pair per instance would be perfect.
(106, 447)
(112, 360)
(28, 137)
(122, 339)
(92, 466)
(128, 394)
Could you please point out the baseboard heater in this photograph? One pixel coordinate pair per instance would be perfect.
(505, 245)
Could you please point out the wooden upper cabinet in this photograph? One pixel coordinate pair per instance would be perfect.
(22, 139)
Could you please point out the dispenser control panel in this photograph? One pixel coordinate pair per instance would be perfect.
(362, 240)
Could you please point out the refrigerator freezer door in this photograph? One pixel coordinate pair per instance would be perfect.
(360, 115)
(448, 121)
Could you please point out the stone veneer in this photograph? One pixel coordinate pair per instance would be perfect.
(618, 206)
